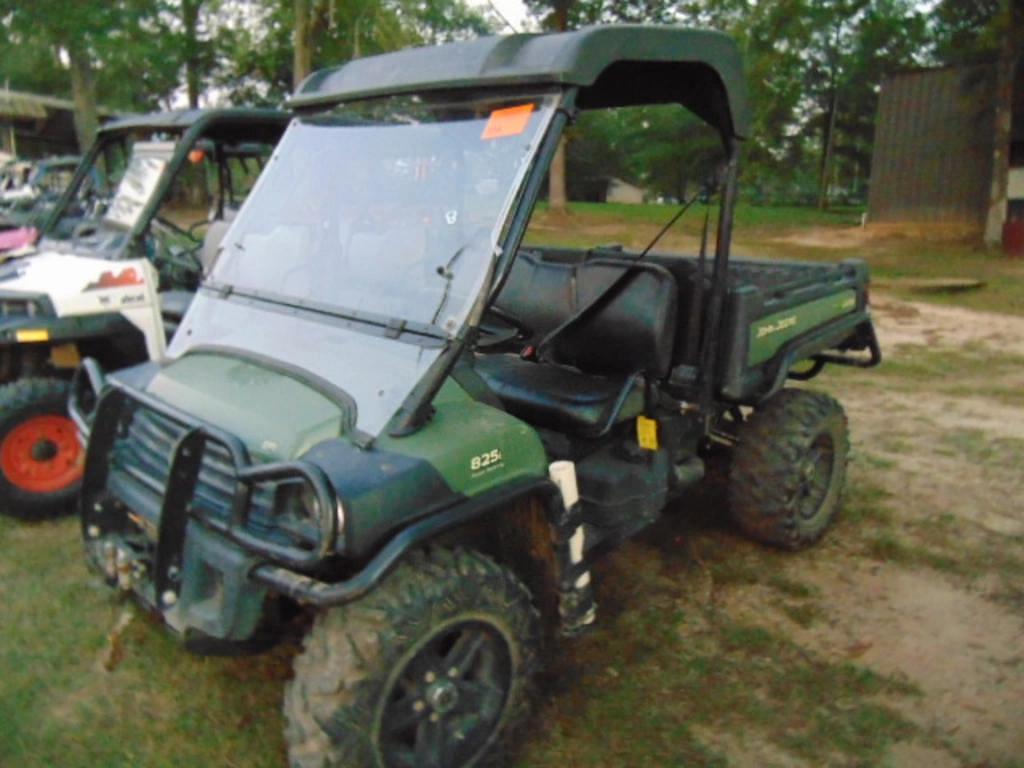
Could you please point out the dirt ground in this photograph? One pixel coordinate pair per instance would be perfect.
(948, 615)
(853, 237)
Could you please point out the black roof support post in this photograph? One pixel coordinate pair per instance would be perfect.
(719, 282)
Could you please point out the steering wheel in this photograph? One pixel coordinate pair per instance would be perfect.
(191, 231)
(83, 229)
(186, 259)
(163, 223)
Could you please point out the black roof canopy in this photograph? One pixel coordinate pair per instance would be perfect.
(618, 65)
(234, 123)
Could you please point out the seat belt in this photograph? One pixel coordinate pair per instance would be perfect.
(613, 288)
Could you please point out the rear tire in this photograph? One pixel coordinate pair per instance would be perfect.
(432, 669)
(41, 460)
(789, 468)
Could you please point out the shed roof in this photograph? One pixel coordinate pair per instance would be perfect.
(34, 106)
(616, 65)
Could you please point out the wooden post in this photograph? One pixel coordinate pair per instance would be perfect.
(302, 61)
(190, 21)
(83, 93)
(1002, 135)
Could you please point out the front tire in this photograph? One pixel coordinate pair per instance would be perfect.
(789, 468)
(432, 669)
(41, 460)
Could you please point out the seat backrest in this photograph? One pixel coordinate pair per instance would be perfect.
(630, 330)
(633, 331)
(540, 294)
(685, 270)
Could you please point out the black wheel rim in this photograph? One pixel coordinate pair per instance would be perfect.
(815, 477)
(446, 702)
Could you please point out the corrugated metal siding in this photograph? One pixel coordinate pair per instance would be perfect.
(932, 158)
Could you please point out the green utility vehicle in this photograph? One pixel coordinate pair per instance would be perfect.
(384, 413)
(118, 262)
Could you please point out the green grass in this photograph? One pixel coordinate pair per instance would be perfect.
(915, 365)
(675, 675)
(970, 371)
(937, 541)
(159, 707)
(974, 445)
(890, 548)
(748, 217)
(865, 503)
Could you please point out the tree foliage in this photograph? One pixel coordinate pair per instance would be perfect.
(805, 59)
(144, 54)
(966, 30)
(814, 69)
(258, 39)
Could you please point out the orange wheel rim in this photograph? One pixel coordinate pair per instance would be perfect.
(42, 454)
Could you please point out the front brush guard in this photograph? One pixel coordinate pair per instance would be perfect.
(178, 503)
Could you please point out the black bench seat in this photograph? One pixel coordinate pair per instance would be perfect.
(561, 398)
(591, 373)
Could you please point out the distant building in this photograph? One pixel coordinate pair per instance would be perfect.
(605, 189)
(32, 125)
(932, 160)
(619, 191)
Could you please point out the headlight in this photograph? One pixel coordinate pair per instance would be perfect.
(297, 512)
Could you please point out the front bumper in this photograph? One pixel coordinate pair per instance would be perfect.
(163, 537)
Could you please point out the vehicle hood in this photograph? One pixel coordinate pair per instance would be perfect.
(276, 415)
(375, 371)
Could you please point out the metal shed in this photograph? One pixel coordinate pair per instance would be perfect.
(933, 150)
(34, 125)
(933, 155)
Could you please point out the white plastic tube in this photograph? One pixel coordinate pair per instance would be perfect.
(563, 474)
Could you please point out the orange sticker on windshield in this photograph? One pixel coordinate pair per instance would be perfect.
(510, 121)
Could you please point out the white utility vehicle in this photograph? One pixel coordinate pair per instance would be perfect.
(113, 273)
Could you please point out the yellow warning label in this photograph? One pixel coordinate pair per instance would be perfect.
(647, 433)
(32, 334)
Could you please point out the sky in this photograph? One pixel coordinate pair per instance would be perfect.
(513, 10)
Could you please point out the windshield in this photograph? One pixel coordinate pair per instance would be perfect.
(122, 173)
(390, 207)
(147, 164)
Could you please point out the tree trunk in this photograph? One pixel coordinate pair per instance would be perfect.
(1007, 69)
(83, 94)
(190, 21)
(302, 63)
(828, 149)
(557, 198)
